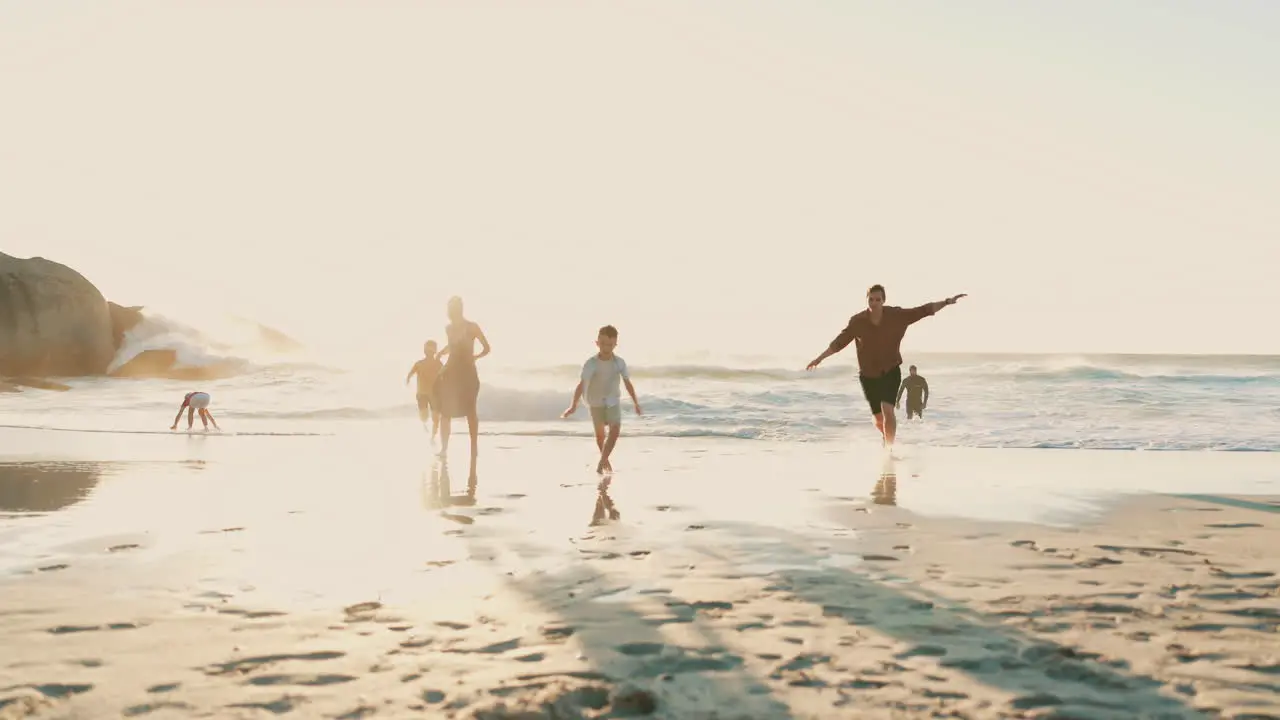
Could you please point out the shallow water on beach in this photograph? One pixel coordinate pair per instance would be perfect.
(319, 519)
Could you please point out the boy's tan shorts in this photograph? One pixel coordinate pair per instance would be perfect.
(606, 414)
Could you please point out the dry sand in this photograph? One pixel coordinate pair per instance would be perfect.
(1165, 607)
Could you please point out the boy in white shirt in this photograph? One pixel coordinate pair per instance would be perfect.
(601, 374)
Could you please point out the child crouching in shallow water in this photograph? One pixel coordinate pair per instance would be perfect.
(192, 402)
(602, 374)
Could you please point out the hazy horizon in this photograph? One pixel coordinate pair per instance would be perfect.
(726, 177)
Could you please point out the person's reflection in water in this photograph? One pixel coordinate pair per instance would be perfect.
(438, 494)
(886, 490)
(46, 487)
(604, 511)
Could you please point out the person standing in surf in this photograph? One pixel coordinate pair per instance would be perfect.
(878, 331)
(917, 391)
(458, 385)
(192, 402)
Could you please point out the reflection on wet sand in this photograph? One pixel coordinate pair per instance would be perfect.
(604, 511)
(46, 487)
(886, 489)
(438, 494)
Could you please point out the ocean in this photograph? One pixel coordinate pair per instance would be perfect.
(1113, 402)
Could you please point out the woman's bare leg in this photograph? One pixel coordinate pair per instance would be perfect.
(473, 426)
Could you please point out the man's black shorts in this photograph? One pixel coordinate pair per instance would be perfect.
(882, 389)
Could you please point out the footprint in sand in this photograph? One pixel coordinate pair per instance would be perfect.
(127, 546)
(148, 708)
(56, 691)
(1146, 551)
(491, 649)
(223, 530)
(1097, 562)
(308, 680)
(68, 629)
(279, 707)
(250, 614)
(250, 664)
(1036, 700)
(709, 605)
(1219, 572)
(922, 651)
(639, 648)
(52, 568)
(557, 632)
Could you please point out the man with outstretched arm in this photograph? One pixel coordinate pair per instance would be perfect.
(878, 331)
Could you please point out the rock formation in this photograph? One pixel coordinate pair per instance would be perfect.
(53, 321)
(122, 321)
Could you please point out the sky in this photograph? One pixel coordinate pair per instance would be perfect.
(708, 177)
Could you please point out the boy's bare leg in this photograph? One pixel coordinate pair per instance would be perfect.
(599, 426)
(609, 443)
(191, 417)
(204, 419)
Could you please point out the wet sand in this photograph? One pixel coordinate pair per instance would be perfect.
(241, 577)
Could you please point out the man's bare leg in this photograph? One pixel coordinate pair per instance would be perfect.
(435, 423)
(890, 422)
(446, 427)
(879, 418)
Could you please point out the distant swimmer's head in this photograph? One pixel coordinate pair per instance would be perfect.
(429, 347)
(607, 339)
(875, 296)
(912, 369)
(454, 308)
